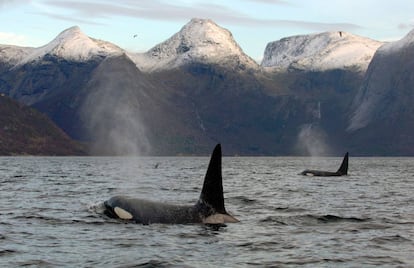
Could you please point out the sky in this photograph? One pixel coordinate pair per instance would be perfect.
(138, 25)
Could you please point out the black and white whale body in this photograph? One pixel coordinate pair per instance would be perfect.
(342, 171)
(209, 208)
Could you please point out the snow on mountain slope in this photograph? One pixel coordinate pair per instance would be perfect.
(11, 55)
(73, 44)
(320, 52)
(388, 83)
(198, 41)
(407, 42)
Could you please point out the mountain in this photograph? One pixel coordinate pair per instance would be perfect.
(198, 88)
(199, 41)
(24, 131)
(51, 77)
(322, 73)
(382, 114)
(320, 52)
(90, 89)
(12, 55)
(72, 44)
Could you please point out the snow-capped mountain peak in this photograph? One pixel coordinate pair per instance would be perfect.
(200, 40)
(320, 52)
(73, 44)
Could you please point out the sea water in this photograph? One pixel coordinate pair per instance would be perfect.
(51, 213)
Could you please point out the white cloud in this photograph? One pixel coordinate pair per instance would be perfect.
(407, 25)
(9, 3)
(12, 39)
(167, 11)
(271, 2)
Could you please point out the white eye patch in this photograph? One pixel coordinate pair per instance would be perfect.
(123, 214)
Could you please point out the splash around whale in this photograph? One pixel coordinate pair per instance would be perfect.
(209, 209)
(342, 171)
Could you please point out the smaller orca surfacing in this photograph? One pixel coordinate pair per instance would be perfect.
(342, 171)
(209, 208)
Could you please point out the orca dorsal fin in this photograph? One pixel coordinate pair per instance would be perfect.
(212, 192)
(343, 169)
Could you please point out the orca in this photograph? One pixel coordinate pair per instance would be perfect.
(209, 209)
(342, 171)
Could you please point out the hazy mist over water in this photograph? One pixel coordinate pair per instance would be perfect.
(111, 113)
(50, 213)
(312, 141)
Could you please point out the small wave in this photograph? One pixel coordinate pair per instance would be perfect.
(374, 226)
(306, 261)
(4, 252)
(381, 261)
(154, 263)
(260, 246)
(150, 264)
(243, 199)
(290, 210)
(311, 219)
(36, 263)
(397, 220)
(91, 219)
(332, 218)
(390, 239)
(274, 219)
(43, 218)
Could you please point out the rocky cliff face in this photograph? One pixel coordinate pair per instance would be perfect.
(198, 88)
(388, 79)
(382, 111)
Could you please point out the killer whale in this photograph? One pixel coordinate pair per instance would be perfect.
(209, 208)
(342, 171)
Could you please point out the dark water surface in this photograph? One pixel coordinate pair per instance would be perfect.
(50, 214)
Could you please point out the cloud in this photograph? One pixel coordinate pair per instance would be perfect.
(166, 11)
(11, 38)
(316, 26)
(68, 18)
(277, 2)
(4, 3)
(408, 25)
(157, 10)
(11, 3)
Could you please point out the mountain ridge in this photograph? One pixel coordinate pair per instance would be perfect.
(72, 44)
(320, 52)
(212, 45)
(205, 96)
(199, 40)
(25, 131)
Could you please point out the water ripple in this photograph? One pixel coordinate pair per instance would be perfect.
(51, 213)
